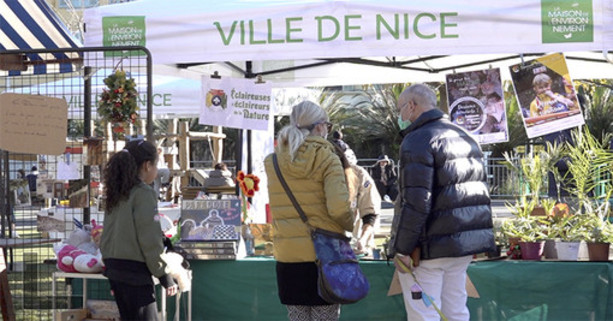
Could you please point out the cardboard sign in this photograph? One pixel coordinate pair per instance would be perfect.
(33, 124)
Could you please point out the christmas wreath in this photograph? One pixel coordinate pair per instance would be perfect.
(118, 104)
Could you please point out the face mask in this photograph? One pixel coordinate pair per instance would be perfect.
(403, 124)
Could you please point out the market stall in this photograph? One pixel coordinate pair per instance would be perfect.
(301, 43)
(292, 43)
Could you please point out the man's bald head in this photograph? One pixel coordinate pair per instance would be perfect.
(418, 98)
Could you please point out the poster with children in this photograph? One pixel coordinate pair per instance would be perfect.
(546, 95)
(476, 103)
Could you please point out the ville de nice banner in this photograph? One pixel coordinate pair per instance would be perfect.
(323, 29)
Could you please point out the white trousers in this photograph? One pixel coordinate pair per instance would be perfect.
(443, 279)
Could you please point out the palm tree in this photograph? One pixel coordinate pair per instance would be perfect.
(368, 117)
(597, 106)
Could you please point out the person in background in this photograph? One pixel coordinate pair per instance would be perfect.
(384, 174)
(337, 139)
(315, 175)
(32, 180)
(132, 240)
(365, 202)
(444, 215)
(557, 183)
(220, 176)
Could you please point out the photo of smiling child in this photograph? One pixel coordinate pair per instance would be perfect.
(547, 98)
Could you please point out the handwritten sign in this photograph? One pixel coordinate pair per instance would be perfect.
(33, 124)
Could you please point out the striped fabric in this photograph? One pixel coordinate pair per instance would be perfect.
(32, 24)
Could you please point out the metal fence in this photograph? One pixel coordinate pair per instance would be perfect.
(59, 179)
(503, 184)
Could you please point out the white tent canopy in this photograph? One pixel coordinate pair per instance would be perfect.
(185, 31)
(333, 39)
(394, 39)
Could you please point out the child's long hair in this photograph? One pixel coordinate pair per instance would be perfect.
(121, 171)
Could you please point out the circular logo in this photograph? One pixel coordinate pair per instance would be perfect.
(469, 113)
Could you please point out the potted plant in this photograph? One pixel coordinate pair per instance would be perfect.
(531, 171)
(599, 238)
(526, 230)
(571, 230)
(590, 165)
(588, 162)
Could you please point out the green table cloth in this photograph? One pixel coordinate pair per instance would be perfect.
(509, 290)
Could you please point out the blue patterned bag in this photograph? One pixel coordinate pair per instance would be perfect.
(340, 277)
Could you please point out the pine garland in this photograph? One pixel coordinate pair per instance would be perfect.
(118, 104)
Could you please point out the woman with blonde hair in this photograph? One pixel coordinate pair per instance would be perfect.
(316, 177)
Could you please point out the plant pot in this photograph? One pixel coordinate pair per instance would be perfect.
(550, 249)
(532, 250)
(495, 253)
(567, 251)
(598, 251)
(538, 211)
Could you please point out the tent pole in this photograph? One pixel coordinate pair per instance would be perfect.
(87, 133)
(249, 74)
(149, 125)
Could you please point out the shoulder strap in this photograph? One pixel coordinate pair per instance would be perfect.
(288, 191)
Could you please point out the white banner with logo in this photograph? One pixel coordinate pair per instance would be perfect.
(236, 103)
(188, 31)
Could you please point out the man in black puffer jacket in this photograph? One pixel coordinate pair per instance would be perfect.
(444, 214)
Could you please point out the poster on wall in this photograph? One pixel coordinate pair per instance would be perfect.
(21, 192)
(235, 103)
(476, 103)
(546, 95)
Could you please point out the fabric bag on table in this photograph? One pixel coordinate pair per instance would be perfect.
(340, 277)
